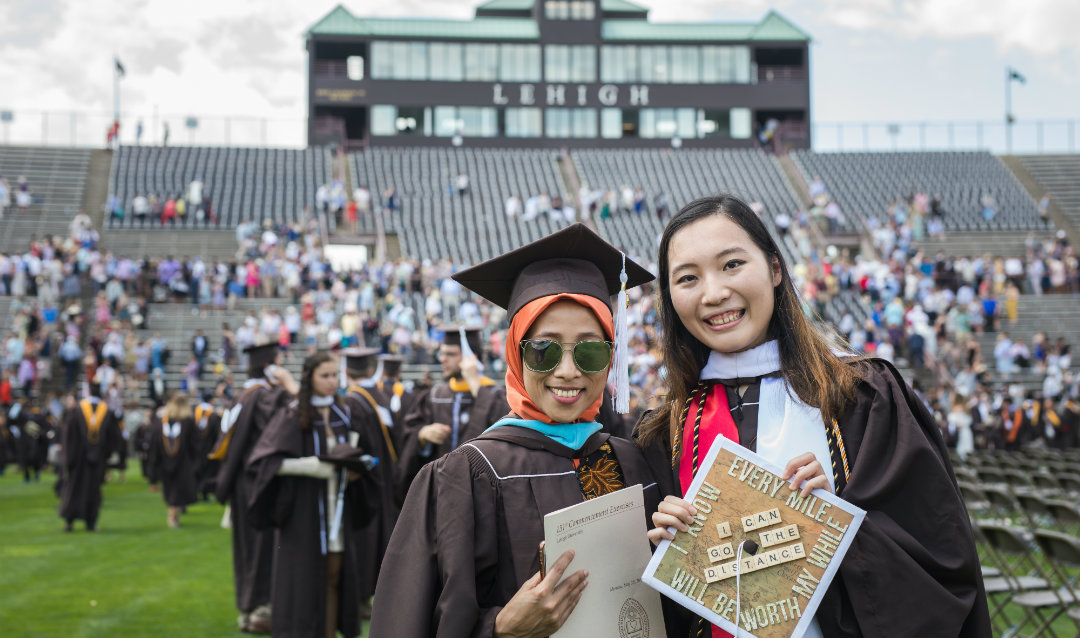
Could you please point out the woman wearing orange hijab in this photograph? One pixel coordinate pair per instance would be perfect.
(464, 559)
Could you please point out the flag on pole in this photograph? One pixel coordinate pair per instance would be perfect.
(1015, 75)
(119, 67)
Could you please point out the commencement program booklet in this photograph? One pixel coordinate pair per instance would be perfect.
(608, 536)
(739, 495)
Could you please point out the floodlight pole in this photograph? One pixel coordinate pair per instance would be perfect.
(1008, 111)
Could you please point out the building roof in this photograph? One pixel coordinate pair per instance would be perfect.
(622, 6)
(341, 22)
(772, 28)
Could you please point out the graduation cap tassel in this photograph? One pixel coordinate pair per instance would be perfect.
(622, 354)
(466, 349)
(343, 379)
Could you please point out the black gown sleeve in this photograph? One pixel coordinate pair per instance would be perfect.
(912, 569)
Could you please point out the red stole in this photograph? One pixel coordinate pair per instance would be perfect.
(715, 421)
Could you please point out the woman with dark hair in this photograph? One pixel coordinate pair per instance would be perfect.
(745, 363)
(465, 557)
(174, 448)
(311, 484)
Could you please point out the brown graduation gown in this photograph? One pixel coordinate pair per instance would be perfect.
(297, 508)
(84, 458)
(174, 467)
(912, 569)
(438, 405)
(253, 550)
(468, 536)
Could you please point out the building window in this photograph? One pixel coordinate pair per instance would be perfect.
(569, 63)
(523, 122)
(469, 121)
(444, 60)
(685, 65)
(611, 124)
(725, 65)
(382, 61)
(666, 123)
(519, 62)
(354, 67)
(557, 10)
(481, 62)
(618, 64)
(654, 65)
(382, 119)
(582, 10)
(740, 123)
(579, 123)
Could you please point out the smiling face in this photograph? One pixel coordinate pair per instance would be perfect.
(722, 284)
(324, 379)
(566, 392)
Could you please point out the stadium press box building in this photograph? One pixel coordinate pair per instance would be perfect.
(556, 73)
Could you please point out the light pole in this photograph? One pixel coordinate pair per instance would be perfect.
(1010, 75)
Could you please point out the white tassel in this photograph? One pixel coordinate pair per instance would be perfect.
(377, 375)
(343, 378)
(622, 354)
(466, 349)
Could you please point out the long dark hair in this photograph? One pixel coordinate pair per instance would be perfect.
(303, 399)
(807, 361)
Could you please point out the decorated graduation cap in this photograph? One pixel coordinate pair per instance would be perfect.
(391, 364)
(262, 355)
(573, 260)
(458, 335)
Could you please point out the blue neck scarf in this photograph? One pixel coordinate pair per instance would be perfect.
(572, 435)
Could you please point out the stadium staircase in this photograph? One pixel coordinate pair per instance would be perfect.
(57, 178)
(1058, 176)
(1053, 314)
(97, 186)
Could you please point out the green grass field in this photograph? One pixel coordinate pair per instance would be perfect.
(133, 577)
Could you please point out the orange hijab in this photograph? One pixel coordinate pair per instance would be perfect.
(516, 396)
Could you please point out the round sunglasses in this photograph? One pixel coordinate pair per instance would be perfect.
(544, 355)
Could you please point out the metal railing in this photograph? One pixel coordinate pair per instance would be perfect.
(88, 129)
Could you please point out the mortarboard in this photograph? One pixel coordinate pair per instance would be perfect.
(261, 355)
(359, 359)
(572, 260)
(452, 337)
(391, 364)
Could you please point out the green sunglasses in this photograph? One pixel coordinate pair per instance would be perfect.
(544, 355)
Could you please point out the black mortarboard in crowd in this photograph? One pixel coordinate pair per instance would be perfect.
(572, 260)
(452, 337)
(391, 364)
(262, 355)
(360, 359)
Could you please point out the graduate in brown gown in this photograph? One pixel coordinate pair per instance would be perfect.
(174, 452)
(88, 435)
(464, 559)
(397, 397)
(376, 424)
(208, 424)
(743, 362)
(461, 407)
(268, 389)
(316, 507)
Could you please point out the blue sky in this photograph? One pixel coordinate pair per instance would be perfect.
(875, 61)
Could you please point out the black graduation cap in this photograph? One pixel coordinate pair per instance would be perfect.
(359, 359)
(572, 260)
(261, 355)
(391, 364)
(452, 337)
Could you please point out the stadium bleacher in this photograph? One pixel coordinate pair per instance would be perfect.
(257, 183)
(684, 176)
(436, 223)
(57, 178)
(864, 184)
(1059, 175)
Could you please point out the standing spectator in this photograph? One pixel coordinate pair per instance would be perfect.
(200, 347)
(462, 184)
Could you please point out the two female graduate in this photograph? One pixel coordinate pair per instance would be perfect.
(744, 362)
(464, 559)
